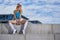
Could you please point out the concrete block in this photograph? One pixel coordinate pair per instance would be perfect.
(39, 28)
(56, 28)
(34, 28)
(11, 37)
(4, 30)
(57, 36)
(39, 37)
(17, 37)
(46, 28)
(5, 37)
(0, 28)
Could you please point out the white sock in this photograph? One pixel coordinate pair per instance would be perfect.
(14, 31)
(25, 25)
(11, 25)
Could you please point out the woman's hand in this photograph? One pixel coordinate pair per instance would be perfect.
(18, 21)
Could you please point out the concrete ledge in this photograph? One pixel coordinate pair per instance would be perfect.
(11, 37)
(39, 28)
(57, 36)
(0, 28)
(46, 29)
(4, 29)
(39, 37)
(56, 28)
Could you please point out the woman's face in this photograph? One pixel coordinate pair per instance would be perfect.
(19, 8)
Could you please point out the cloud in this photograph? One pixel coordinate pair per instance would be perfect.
(45, 13)
(7, 9)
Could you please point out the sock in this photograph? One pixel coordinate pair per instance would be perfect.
(25, 25)
(12, 27)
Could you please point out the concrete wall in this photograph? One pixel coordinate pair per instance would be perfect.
(56, 28)
(39, 28)
(0, 28)
(11, 37)
(33, 32)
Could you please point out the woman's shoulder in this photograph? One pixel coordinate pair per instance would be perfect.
(14, 11)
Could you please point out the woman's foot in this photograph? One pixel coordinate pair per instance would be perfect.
(20, 32)
(15, 31)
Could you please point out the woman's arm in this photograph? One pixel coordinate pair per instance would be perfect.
(14, 15)
(20, 12)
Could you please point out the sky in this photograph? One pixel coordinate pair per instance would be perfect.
(45, 11)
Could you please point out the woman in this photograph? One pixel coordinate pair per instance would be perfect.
(17, 19)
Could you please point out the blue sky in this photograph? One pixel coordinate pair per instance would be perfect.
(46, 11)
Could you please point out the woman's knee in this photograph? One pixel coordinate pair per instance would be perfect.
(12, 22)
(9, 22)
(23, 21)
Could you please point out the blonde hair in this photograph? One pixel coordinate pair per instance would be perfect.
(19, 4)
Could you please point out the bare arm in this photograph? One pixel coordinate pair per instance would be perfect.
(20, 12)
(14, 15)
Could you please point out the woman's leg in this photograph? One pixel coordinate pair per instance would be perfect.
(12, 26)
(23, 28)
